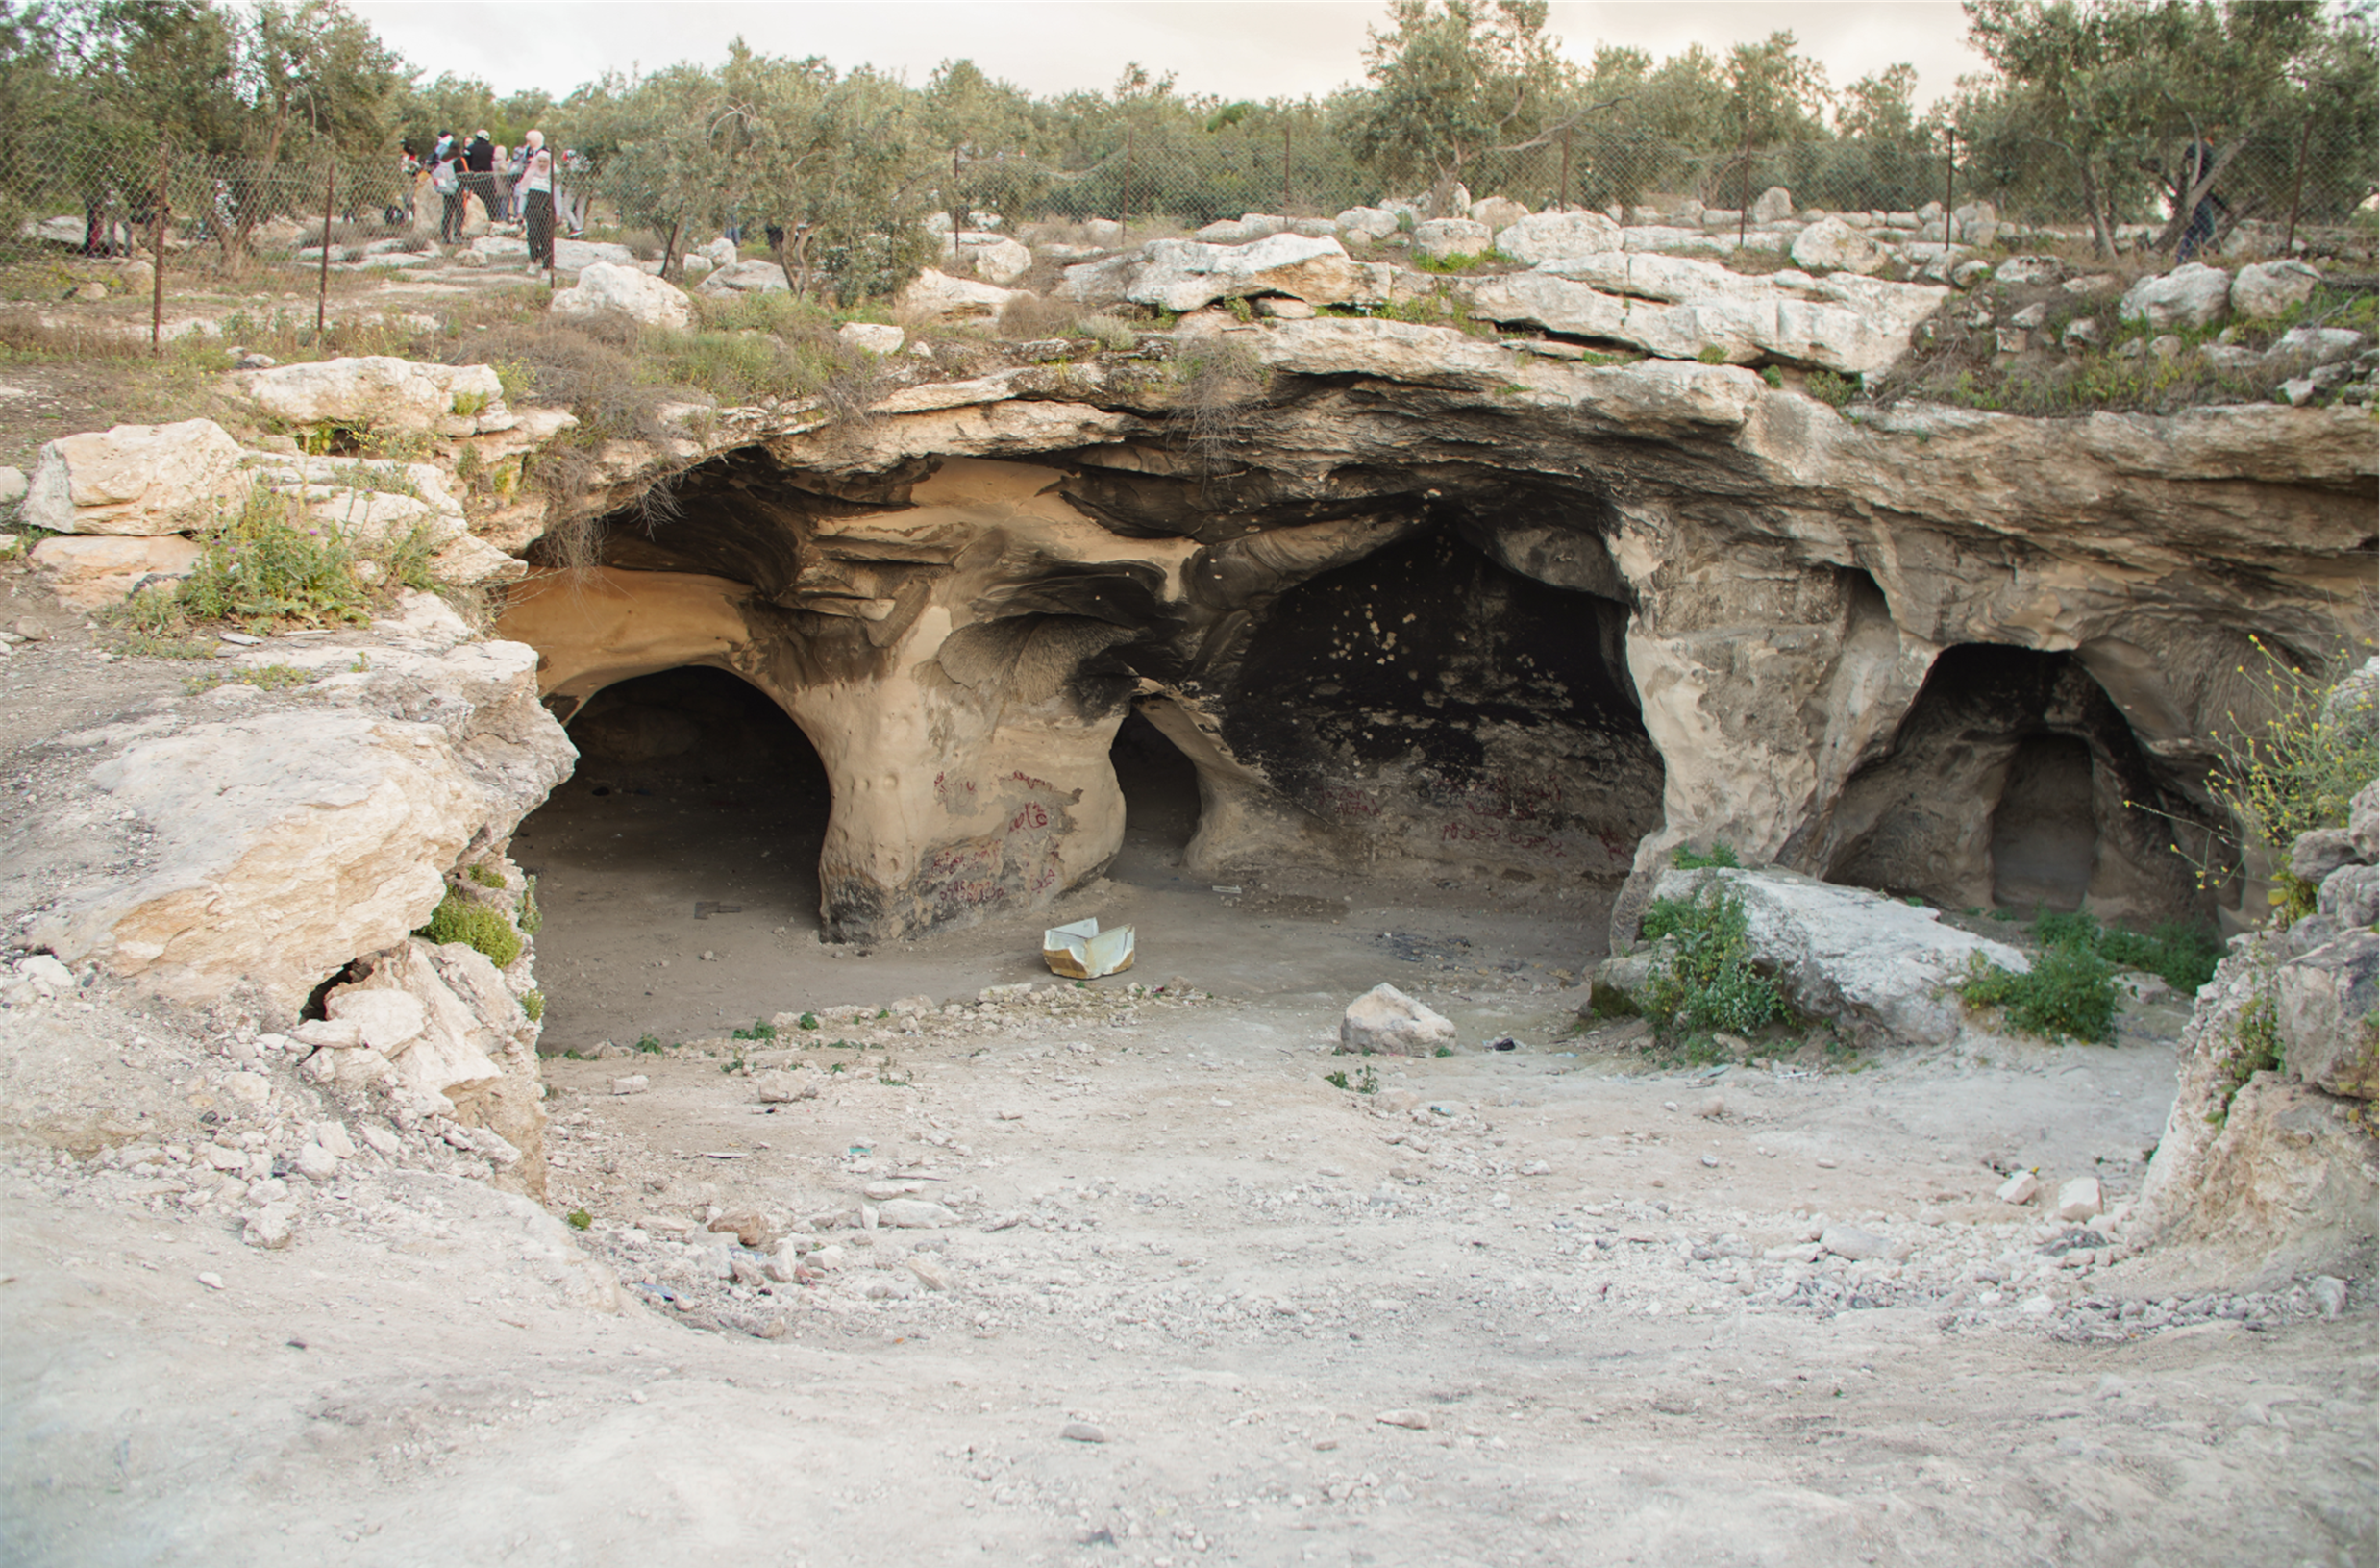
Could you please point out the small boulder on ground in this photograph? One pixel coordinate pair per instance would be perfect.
(2079, 1198)
(2266, 289)
(746, 278)
(937, 296)
(1441, 238)
(132, 478)
(2192, 295)
(607, 288)
(1385, 1021)
(1558, 237)
(1832, 245)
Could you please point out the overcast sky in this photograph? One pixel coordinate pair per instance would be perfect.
(1227, 47)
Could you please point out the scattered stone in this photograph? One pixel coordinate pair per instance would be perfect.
(316, 1163)
(1386, 1021)
(2079, 1198)
(877, 337)
(2020, 1188)
(914, 1215)
(2330, 1294)
(1082, 1431)
(748, 278)
(778, 1088)
(1831, 245)
(631, 1083)
(2266, 289)
(1411, 1420)
(1851, 1242)
(1558, 237)
(212, 1280)
(270, 1227)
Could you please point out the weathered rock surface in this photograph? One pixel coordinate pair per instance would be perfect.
(1831, 245)
(1440, 239)
(132, 479)
(380, 393)
(1873, 964)
(755, 277)
(1385, 1021)
(88, 573)
(1557, 236)
(2264, 289)
(1678, 309)
(1187, 275)
(290, 840)
(2192, 295)
(936, 296)
(604, 289)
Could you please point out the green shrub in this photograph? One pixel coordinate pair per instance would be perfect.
(477, 925)
(1687, 858)
(2182, 956)
(1775, 377)
(486, 875)
(533, 1002)
(264, 561)
(650, 1045)
(760, 1030)
(1704, 980)
(1831, 390)
(531, 913)
(2069, 992)
(2255, 1047)
(580, 1219)
(1712, 354)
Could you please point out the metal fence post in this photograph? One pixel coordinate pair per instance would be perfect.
(322, 280)
(1949, 190)
(1561, 194)
(1288, 202)
(2297, 187)
(1744, 205)
(1123, 210)
(156, 256)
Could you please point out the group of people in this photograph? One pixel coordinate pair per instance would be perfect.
(517, 186)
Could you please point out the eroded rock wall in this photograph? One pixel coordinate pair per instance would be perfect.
(960, 598)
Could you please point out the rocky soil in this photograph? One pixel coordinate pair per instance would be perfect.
(1113, 1273)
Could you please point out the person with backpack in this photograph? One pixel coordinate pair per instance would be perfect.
(446, 179)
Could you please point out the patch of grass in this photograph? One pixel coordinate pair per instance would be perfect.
(533, 1002)
(1775, 377)
(262, 676)
(2181, 955)
(531, 915)
(1453, 261)
(1720, 854)
(650, 1045)
(1444, 1050)
(1703, 979)
(1365, 1082)
(760, 1030)
(475, 925)
(485, 875)
(264, 561)
(579, 1219)
(809, 1020)
(1712, 354)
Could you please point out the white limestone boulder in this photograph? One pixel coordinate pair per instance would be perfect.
(1832, 245)
(1384, 1020)
(608, 288)
(1245, 230)
(85, 572)
(937, 296)
(131, 480)
(1366, 223)
(1443, 238)
(1185, 275)
(876, 336)
(1877, 966)
(379, 393)
(291, 840)
(1774, 205)
(1557, 236)
(2266, 289)
(577, 255)
(996, 259)
(2192, 295)
(1497, 213)
(745, 277)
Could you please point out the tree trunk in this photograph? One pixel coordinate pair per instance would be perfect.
(2198, 192)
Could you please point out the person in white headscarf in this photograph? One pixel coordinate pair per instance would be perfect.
(535, 191)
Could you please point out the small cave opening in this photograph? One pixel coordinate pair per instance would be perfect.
(2014, 781)
(2044, 836)
(1161, 789)
(1452, 718)
(678, 862)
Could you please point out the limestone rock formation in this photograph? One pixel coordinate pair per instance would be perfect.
(2264, 289)
(380, 393)
(1187, 275)
(1443, 238)
(1879, 967)
(1557, 236)
(1831, 245)
(1385, 1021)
(936, 296)
(734, 276)
(289, 840)
(89, 573)
(132, 479)
(1543, 619)
(605, 288)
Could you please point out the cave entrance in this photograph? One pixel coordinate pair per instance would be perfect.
(1451, 720)
(677, 861)
(2043, 833)
(1161, 789)
(2012, 782)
